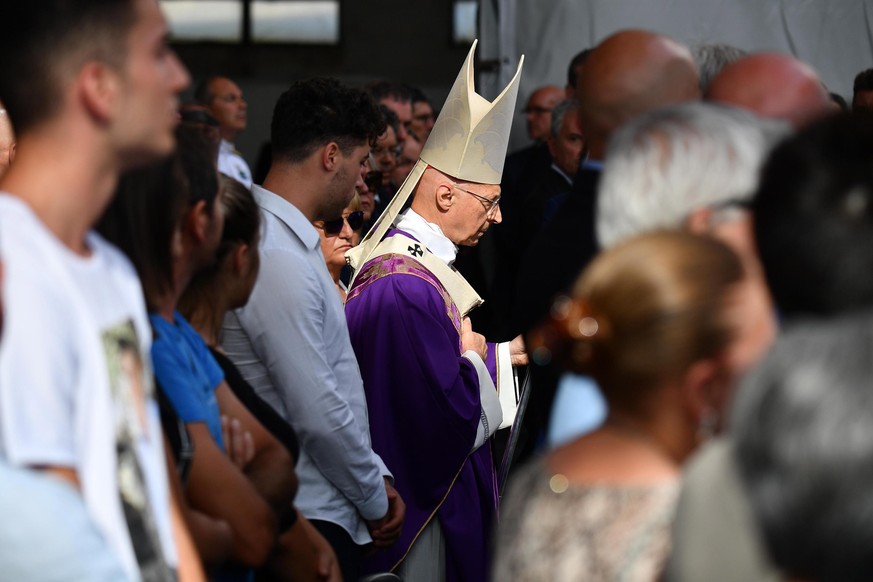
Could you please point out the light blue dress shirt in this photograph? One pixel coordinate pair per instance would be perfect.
(46, 534)
(579, 409)
(291, 343)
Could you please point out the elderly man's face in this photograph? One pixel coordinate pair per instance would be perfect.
(476, 208)
(229, 107)
(539, 112)
(422, 120)
(403, 110)
(383, 156)
(406, 161)
(566, 148)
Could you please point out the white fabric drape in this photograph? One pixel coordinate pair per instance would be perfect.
(835, 37)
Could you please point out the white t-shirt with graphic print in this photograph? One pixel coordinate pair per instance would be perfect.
(76, 384)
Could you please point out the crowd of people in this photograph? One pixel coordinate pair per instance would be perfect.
(214, 373)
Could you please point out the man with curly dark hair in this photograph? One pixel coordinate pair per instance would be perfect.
(291, 342)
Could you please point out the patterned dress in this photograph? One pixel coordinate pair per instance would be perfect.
(558, 531)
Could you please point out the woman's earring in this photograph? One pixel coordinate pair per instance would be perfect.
(708, 425)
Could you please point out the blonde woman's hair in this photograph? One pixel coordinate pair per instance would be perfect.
(654, 306)
(355, 204)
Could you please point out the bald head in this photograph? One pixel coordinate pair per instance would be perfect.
(772, 85)
(539, 111)
(628, 74)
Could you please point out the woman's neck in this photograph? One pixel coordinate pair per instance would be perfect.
(659, 433)
(166, 301)
(630, 448)
(206, 305)
(208, 322)
(335, 272)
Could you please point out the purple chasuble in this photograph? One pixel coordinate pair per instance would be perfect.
(424, 409)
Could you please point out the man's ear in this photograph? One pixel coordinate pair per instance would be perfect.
(239, 258)
(330, 155)
(98, 87)
(197, 221)
(698, 222)
(444, 197)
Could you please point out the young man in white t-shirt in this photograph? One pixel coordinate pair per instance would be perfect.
(91, 88)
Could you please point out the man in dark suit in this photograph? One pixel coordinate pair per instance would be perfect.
(566, 146)
(628, 74)
(482, 265)
(524, 166)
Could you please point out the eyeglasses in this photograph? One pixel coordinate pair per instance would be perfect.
(536, 110)
(393, 151)
(334, 227)
(489, 203)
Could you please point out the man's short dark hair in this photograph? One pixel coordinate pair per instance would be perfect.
(379, 90)
(814, 218)
(416, 95)
(45, 41)
(390, 118)
(575, 63)
(863, 81)
(318, 111)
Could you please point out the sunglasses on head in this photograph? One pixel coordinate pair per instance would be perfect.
(333, 227)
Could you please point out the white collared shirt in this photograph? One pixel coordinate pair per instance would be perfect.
(230, 163)
(562, 174)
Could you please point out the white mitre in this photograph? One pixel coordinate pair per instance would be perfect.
(468, 142)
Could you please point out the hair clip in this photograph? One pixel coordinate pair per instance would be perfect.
(571, 327)
(577, 317)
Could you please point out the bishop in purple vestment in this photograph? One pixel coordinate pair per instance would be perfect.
(431, 401)
(436, 392)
